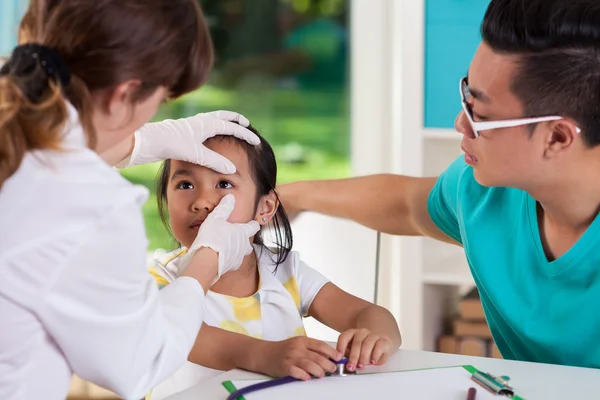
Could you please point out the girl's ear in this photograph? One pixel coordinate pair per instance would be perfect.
(267, 207)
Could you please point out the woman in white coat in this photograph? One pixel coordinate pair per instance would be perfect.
(75, 296)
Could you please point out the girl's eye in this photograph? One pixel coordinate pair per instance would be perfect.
(224, 185)
(184, 185)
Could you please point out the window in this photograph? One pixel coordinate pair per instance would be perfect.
(281, 63)
(284, 65)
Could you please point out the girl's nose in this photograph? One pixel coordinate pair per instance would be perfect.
(206, 200)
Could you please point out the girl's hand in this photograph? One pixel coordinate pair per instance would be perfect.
(364, 347)
(300, 357)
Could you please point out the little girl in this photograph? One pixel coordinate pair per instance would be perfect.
(253, 317)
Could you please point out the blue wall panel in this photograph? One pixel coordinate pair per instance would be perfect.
(10, 15)
(451, 38)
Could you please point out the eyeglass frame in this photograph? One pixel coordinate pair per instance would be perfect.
(505, 123)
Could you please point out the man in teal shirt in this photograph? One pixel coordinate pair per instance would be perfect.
(524, 200)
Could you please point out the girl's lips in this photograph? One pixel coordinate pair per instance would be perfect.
(196, 224)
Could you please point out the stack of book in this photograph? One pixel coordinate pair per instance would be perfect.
(470, 334)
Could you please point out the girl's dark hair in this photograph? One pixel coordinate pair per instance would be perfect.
(102, 43)
(263, 166)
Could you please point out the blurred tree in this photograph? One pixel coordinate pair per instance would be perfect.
(246, 28)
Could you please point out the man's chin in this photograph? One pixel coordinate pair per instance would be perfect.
(485, 180)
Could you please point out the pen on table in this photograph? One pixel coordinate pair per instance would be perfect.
(471, 393)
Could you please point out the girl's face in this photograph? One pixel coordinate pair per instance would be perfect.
(194, 191)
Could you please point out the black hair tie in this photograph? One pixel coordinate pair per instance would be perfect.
(25, 59)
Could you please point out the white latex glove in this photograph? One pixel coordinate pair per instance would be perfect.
(183, 139)
(230, 240)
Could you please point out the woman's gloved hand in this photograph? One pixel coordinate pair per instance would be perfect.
(230, 240)
(183, 139)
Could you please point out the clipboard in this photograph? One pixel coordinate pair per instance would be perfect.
(451, 383)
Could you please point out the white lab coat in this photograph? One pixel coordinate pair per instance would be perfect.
(75, 295)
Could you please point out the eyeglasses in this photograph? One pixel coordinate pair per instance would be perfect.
(487, 125)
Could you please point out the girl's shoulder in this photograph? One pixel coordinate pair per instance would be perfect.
(267, 263)
(164, 266)
(167, 258)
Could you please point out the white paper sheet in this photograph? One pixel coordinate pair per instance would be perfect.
(429, 384)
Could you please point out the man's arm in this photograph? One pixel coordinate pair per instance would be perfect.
(393, 204)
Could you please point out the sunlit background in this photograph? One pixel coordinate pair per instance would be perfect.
(283, 64)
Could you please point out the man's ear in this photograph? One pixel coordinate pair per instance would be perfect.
(561, 136)
(267, 207)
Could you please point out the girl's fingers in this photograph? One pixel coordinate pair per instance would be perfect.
(298, 373)
(323, 362)
(377, 353)
(367, 350)
(381, 352)
(324, 349)
(344, 340)
(355, 347)
(311, 367)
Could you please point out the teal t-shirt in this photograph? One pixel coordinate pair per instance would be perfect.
(537, 310)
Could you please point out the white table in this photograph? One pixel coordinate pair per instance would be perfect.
(530, 380)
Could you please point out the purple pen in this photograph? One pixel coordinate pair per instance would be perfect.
(340, 371)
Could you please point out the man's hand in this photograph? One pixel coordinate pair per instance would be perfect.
(287, 193)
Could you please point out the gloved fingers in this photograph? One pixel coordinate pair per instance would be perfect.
(230, 116)
(216, 162)
(224, 209)
(251, 228)
(222, 127)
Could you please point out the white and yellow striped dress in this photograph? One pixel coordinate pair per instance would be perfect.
(273, 313)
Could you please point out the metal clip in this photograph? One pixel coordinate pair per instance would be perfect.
(494, 384)
(341, 368)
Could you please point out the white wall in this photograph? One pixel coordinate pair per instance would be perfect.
(342, 251)
(387, 106)
(387, 88)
